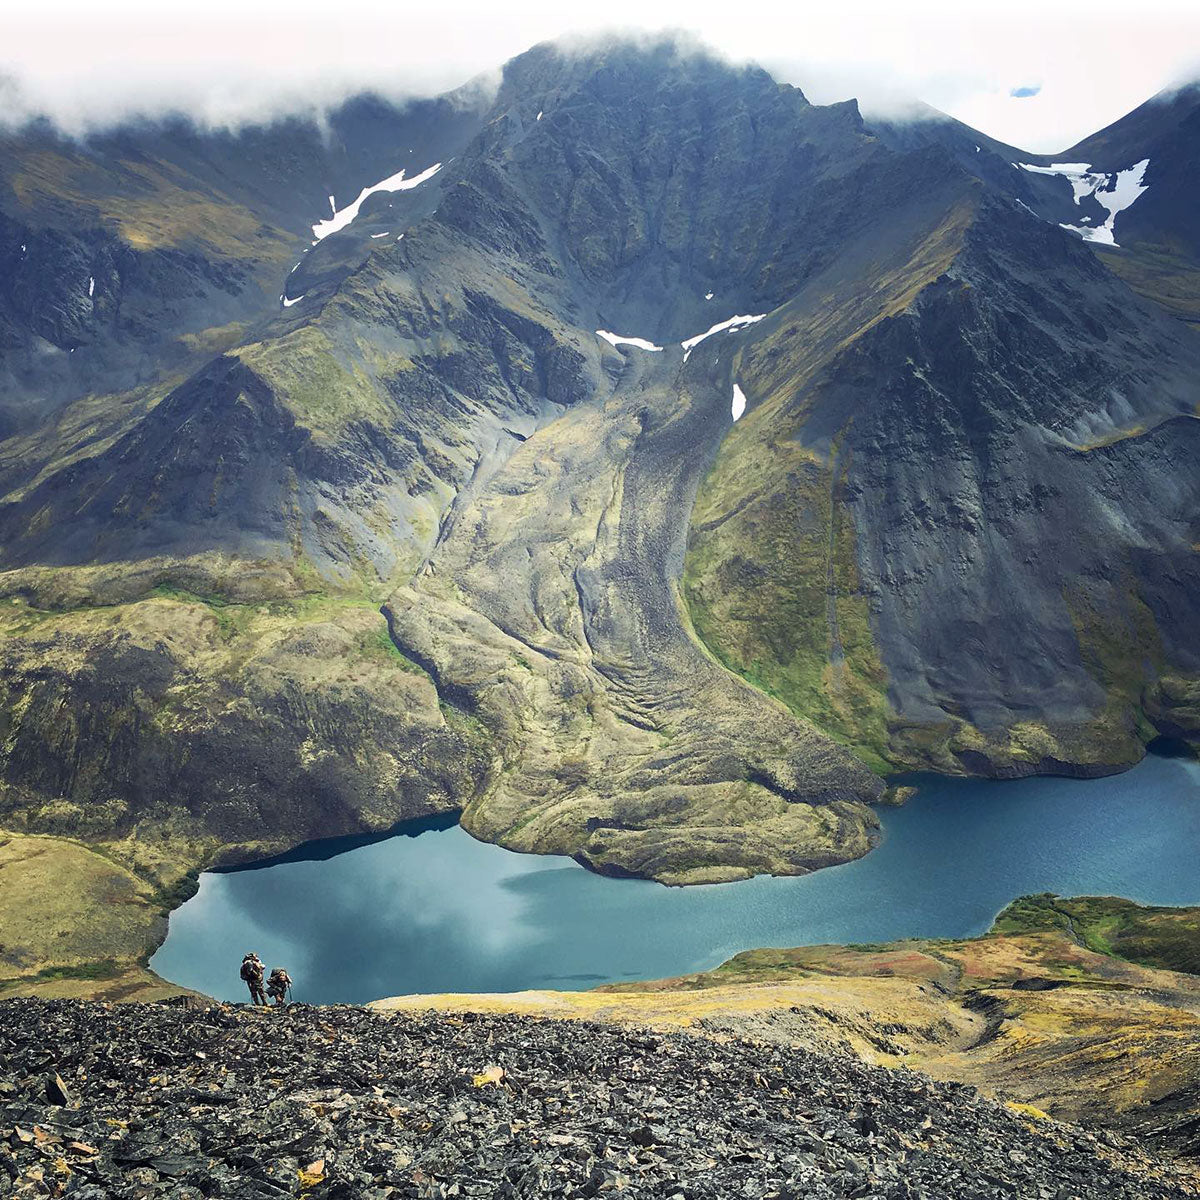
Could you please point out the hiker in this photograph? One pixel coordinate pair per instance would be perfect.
(252, 974)
(278, 985)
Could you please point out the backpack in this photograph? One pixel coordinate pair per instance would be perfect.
(252, 971)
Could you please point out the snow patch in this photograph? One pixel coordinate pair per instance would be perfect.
(538, 117)
(1080, 176)
(708, 295)
(1056, 168)
(288, 303)
(616, 340)
(732, 323)
(1100, 233)
(739, 402)
(1122, 191)
(1114, 191)
(393, 183)
(332, 206)
(400, 238)
(91, 285)
(385, 233)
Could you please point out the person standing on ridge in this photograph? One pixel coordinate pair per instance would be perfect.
(278, 985)
(252, 975)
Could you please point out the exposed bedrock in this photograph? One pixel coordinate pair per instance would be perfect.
(552, 609)
(971, 540)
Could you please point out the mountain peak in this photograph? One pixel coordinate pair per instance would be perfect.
(639, 65)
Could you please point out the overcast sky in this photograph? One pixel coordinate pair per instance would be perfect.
(1075, 66)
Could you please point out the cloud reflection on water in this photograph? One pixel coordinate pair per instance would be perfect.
(443, 912)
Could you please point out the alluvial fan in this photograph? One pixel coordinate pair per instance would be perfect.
(186, 1101)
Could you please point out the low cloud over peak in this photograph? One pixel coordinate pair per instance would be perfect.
(226, 63)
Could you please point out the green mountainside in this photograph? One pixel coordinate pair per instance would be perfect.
(309, 525)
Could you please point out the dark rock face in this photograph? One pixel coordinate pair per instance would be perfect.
(118, 250)
(1008, 440)
(83, 311)
(1056, 529)
(172, 1100)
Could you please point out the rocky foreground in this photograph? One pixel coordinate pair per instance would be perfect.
(183, 1101)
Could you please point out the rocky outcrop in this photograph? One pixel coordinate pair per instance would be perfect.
(185, 1101)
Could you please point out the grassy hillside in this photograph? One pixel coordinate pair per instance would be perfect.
(76, 922)
(1165, 938)
(1053, 1009)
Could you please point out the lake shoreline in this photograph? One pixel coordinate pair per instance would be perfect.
(321, 849)
(950, 860)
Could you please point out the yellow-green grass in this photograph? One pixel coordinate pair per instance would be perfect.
(152, 204)
(74, 922)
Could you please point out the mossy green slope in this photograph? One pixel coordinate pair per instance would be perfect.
(1164, 938)
(76, 922)
(174, 730)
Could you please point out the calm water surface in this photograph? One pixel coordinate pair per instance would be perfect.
(440, 911)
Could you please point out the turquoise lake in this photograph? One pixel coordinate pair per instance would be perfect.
(437, 911)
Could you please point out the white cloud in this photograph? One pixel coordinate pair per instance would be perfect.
(227, 61)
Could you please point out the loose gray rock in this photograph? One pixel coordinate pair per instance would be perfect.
(175, 1101)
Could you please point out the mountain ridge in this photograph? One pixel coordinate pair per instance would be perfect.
(431, 426)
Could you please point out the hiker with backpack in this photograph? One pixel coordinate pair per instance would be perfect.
(252, 975)
(278, 986)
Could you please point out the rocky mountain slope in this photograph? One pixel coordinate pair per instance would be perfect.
(163, 1100)
(138, 254)
(375, 523)
(1086, 1009)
